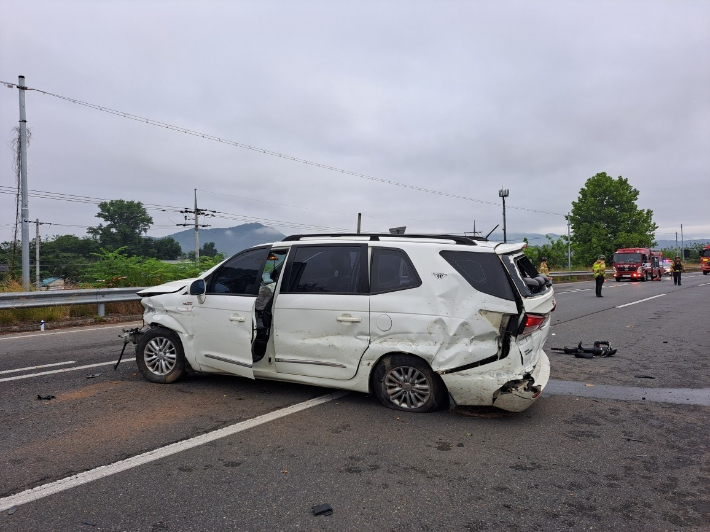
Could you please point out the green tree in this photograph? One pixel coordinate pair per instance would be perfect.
(554, 250)
(65, 256)
(605, 217)
(166, 248)
(126, 223)
(208, 250)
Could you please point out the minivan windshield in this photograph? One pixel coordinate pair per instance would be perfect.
(620, 258)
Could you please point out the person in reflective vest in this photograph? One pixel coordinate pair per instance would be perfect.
(677, 268)
(544, 269)
(598, 269)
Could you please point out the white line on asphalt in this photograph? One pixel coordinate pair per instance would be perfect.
(37, 367)
(640, 301)
(72, 330)
(129, 463)
(63, 370)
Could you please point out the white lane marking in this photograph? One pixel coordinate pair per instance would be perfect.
(573, 291)
(68, 331)
(37, 367)
(640, 301)
(63, 370)
(117, 467)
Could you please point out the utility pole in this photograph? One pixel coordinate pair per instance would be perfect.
(504, 193)
(37, 223)
(25, 211)
(359, 222)
(682, 244)
(474, 233)
(569, 244)
(197, 232)
(196, 213)
(37, 254)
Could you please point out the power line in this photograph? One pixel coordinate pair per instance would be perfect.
(272, 153)
(149, 206)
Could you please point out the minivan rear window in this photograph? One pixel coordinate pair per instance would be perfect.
(525, 275)
(483, 271)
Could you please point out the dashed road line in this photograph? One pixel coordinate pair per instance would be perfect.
(37, 367)
(35, 334)
(117, 467)
(640, 301)
(63, 370)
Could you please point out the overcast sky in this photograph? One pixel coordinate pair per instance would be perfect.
(458, 98)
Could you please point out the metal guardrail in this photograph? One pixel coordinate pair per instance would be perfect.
(54, 298)
(574, 274)
(101, 296)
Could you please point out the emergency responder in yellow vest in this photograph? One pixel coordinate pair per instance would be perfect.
(544, 269)
(677, 268)
(598, 269)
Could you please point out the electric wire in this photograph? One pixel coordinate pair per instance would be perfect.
(272, 153)
(149, 206)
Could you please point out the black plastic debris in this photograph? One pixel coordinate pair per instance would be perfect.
(93, 375)
(644, 377)
(601, 348)
(11, 510)
(322, 509)
(45, 397)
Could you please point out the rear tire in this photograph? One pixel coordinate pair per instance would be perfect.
(160, 356)
(405, 382)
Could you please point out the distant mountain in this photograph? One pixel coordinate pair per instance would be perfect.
(537, 239)
(229, 240)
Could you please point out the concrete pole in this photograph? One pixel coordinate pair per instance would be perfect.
(37, 255)
(25, 210)
(569, 244)
(682, 244)
(197, 237)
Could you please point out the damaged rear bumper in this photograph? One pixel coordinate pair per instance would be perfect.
(502, 388)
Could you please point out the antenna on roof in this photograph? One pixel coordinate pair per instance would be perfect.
(489, 234)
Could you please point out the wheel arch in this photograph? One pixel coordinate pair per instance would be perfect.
(383, 356)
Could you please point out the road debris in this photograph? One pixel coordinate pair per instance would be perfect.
(45, 397)
(600, 349)
(322, 509)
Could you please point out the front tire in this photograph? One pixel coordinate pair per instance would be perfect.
(160, 356)
(405, 382)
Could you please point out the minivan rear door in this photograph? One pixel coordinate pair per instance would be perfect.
(321, 314)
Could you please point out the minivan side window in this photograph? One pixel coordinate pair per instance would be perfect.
(326, 269)
(483, 271)
(240, 275)
(392, 270)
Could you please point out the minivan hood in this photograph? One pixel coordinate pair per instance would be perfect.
(167, 288)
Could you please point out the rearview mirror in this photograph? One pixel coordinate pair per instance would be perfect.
(198, 288)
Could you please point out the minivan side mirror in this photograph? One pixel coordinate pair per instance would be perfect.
(198, 288)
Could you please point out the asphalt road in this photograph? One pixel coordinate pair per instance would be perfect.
(617, 443)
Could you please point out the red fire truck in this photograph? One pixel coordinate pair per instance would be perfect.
(638, 264)
(705, 259)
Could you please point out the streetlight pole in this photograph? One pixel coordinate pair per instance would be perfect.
(504, 193)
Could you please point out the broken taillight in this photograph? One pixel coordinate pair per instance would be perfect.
(533, 322)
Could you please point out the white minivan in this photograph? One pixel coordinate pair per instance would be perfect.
(418, 320)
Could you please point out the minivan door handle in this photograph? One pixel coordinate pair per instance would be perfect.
(347, 318)
(237, 317)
